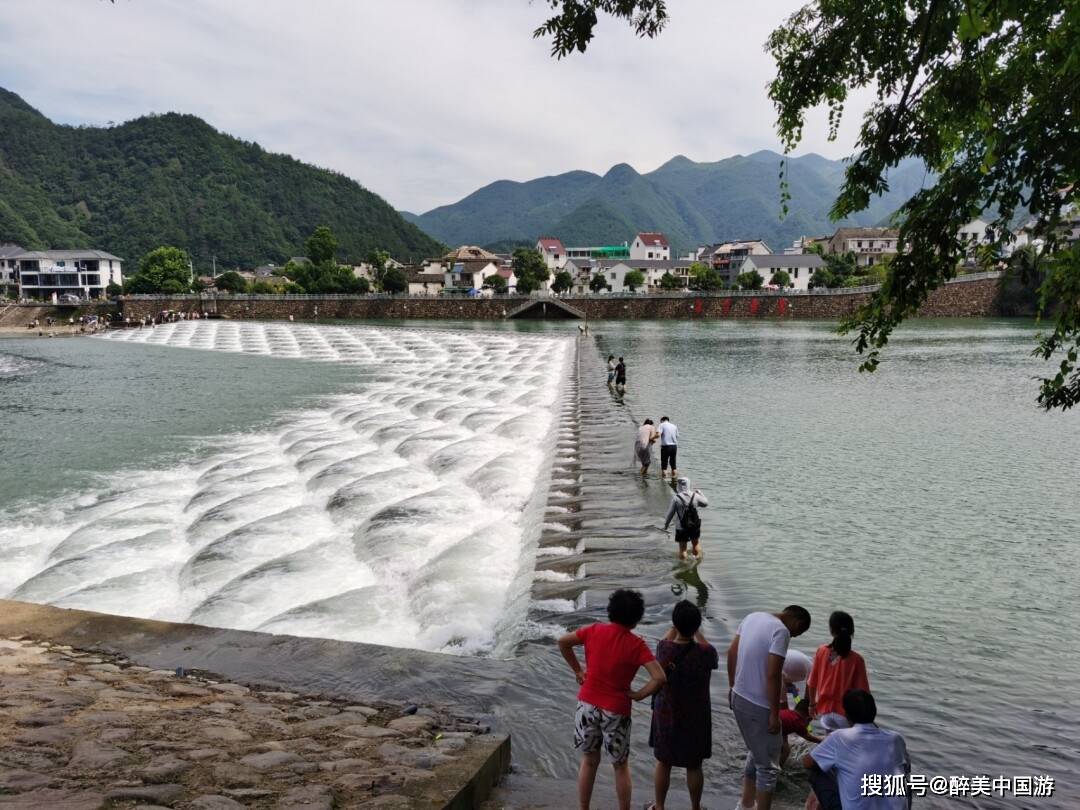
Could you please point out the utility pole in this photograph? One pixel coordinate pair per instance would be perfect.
(213, 273)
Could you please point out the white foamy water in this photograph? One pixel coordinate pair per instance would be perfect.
(405, 513)
(15, 366)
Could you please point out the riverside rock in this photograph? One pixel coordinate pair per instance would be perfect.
(150, 741)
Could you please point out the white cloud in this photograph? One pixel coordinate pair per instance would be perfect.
(422, 101)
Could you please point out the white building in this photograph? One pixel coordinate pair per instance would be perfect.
(727, 257)
(49, 274)
(972, 236)
(869, 245)
(804, 243)
(421, 283)
(650, 245)
(469, 275)
(553, 251)
(800, 267)
(615, 270)
(9, 277)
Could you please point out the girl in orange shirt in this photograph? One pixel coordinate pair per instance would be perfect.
(837, 668)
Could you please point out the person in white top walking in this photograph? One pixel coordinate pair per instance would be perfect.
(755, 661)
(851, 758)
(669, 445)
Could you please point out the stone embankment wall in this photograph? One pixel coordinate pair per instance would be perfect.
(960, 299)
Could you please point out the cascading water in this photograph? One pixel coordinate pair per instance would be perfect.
(402, 513)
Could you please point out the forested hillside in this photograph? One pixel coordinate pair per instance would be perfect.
(174, 180)
(693, 203)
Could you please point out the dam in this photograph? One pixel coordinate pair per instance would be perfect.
(403, 512)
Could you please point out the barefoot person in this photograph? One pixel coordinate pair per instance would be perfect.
(646, 435)
(683, 510)
(681, 733)
(620, 375)
(613, 656)
(669, 446)
(837, 668)
(755, 661)
(611, 371)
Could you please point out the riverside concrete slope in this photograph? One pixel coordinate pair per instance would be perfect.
(95, 713)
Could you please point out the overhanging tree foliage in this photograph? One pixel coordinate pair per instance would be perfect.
(985, 92)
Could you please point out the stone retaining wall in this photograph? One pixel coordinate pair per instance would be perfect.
(961, 299)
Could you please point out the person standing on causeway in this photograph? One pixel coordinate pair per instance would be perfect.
(755, 661)
(669, 446)
(613, 655)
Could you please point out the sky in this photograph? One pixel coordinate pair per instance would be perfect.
(421, 101)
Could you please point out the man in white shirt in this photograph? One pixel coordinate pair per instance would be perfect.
(840, 765)
(669, 446)
(755, 661)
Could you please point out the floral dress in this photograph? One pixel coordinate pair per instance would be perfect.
(681, 732)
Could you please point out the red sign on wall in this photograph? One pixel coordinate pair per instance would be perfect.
(755, 305)
(699, 306)
(726, 306)
(781, 306)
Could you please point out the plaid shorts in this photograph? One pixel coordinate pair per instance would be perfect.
(593, 726)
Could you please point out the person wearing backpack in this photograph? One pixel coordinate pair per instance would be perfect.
(681, 730)
(684, 511)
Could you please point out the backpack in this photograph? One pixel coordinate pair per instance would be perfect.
(691, 520)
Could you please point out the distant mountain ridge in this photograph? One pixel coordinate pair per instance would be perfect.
(173, 179)
(692, 203)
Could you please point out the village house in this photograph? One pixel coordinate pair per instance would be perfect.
(870, 245)
(799, 267)
(806, 244)
(59, 275)
(615, 270)
(728, 256)
(421, 283)
(650, 245)
(367, 270)
(553, 251)
(466, 267)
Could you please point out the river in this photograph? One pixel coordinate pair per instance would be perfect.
(932, 500)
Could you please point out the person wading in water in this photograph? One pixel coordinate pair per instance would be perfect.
(683, 510)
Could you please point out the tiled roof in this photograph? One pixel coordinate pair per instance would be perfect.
(653, 238)
(470, 252)
(74, 255)
(550, 244)
(866, 233)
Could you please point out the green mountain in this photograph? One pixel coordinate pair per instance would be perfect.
(174, 180)
(693, 203)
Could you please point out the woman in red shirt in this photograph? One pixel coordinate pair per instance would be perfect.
(613, 655)
(837, 668)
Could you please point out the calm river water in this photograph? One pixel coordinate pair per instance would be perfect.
(931, 500)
